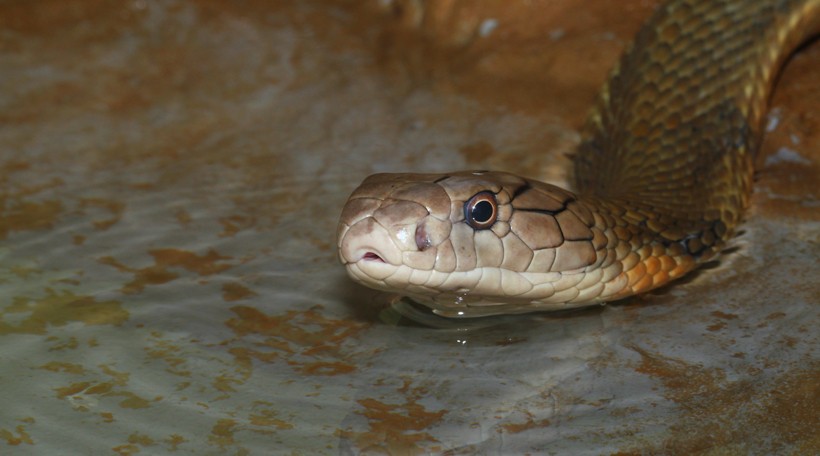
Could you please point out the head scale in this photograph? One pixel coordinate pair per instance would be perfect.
(469, 243)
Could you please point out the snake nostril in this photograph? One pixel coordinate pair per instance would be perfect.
(370, 256)
(422, 239)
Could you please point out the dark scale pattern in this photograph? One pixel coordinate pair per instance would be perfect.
(672, 140)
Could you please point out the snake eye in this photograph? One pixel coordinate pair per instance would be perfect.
(481, 210)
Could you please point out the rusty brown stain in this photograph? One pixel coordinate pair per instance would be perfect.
(530, 423)
(203, 265)
(183, 217)
(790, 342)
(235, 223)
(169, 353)
(769, 318)
(13, 166)
(719, 415)
(717, 326)
(126, 450)
(15, 440)
(115, 208)
(133, 401)
(24, 272)
(50, 16)
(324, 368)
(174, 441)
(225, 383)
(113, 387)
(140, 439)
(150, 275)
(724, 315)
(70, 343)
(312, 343)
(235, 291)
(58, 308)
(165, 259)
(72, 389)
(775, 315)
(291, 326)
(19, 214)
(69, 368)
(397, 428)
(19, 435)
(322, 244)
(222, 433)
(267, 418)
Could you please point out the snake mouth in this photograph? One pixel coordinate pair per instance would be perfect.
(371, 256)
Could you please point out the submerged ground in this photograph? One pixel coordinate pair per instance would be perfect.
(170, 178)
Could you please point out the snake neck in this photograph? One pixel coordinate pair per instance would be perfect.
(672, 140)
(663, 177)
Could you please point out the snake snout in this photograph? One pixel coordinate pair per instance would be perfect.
(370, 242)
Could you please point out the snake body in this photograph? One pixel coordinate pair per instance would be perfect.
(661, 178)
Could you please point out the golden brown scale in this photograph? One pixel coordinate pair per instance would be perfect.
(671, 143)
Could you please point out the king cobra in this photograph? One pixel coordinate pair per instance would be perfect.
(662, 178)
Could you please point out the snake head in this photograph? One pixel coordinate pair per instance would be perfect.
(468, 243)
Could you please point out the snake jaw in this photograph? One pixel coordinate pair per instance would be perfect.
(372, 256)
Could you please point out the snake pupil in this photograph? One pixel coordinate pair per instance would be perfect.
(482, 211)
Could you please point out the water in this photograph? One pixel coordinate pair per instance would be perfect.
(171, 179)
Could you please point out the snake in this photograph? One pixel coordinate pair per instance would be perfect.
(661, 179)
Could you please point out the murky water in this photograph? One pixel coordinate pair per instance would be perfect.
(171, 175)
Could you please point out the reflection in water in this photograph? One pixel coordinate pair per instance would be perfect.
(403, 311)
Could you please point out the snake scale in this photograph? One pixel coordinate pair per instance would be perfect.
(662, 178)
